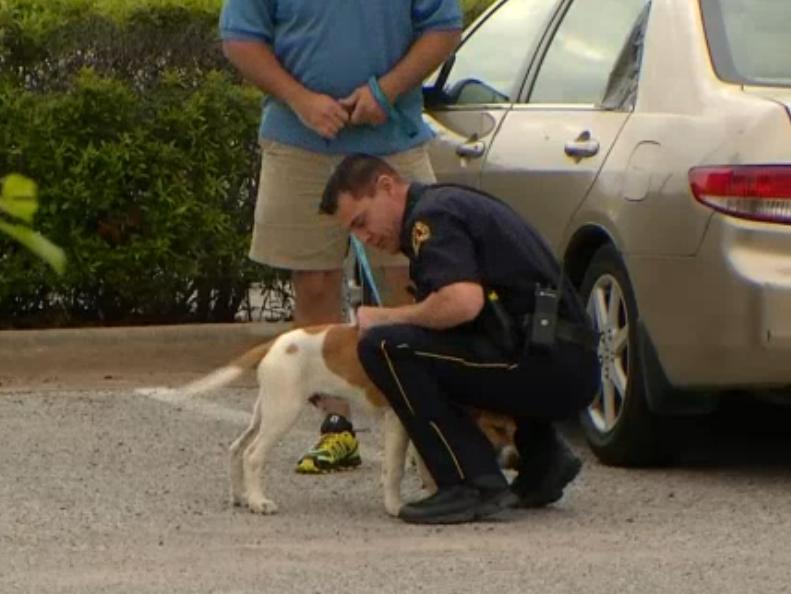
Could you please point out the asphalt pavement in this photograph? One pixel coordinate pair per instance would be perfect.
(105, 490)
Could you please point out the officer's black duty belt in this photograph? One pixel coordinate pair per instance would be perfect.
(568, 332)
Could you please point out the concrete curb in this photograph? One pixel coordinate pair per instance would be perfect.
(85, 356)
(16, 340)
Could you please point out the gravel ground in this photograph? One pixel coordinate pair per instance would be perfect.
(102, 490)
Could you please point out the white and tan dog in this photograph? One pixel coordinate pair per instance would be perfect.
(292, 368)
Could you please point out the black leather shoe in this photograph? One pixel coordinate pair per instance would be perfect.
(458, 504)
(541, 481)
(493, 501)
(449, 505)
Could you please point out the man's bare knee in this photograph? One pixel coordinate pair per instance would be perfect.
(317, 296)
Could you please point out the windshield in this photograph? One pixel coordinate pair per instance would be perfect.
(750, 40)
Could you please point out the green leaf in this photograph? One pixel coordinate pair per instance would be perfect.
(18, 197)
(38, 244)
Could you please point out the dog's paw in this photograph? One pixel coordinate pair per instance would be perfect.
(393, 506)
(508, 458)
(262, 506)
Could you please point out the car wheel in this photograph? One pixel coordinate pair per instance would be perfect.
(618, 425)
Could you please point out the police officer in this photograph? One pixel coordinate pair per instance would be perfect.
(480, 272)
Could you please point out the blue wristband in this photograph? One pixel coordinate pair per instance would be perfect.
(392, 112)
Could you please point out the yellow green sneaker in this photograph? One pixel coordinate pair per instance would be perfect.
(337, 449)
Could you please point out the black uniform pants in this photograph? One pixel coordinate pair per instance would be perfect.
(429, 375)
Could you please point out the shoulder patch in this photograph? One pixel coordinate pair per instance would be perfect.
(420, 234)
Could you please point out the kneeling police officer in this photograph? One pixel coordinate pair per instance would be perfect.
(493, 326)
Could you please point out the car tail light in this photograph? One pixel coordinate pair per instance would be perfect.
(756, 192)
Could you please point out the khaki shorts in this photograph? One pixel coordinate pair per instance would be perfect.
(289, 232)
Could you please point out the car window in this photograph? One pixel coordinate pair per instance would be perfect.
(585, 50)
(489, 66)
(749, 40)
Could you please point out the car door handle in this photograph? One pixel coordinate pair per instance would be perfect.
(583, 146)
(471, 150)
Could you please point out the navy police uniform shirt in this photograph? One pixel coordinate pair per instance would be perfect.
(454, 234)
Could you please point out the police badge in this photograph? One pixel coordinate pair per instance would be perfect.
(420, 234)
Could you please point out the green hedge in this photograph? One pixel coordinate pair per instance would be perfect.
(143, 144)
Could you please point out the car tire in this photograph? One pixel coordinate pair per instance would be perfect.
(619, 427)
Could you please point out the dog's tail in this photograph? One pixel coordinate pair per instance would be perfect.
(220, 377)
(224, 375)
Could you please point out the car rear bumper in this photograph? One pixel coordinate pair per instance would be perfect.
(721, 318)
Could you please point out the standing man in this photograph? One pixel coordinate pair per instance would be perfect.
(482, 277)
(341, 76)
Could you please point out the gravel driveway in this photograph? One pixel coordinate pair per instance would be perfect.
(102, 490)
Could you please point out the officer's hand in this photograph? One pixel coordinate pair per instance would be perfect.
(364, 108)
(368, 317)
(321, 113)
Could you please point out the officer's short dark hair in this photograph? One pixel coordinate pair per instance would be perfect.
(357, 175)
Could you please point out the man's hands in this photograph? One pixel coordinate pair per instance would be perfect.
(363, 107)
(327, 117)
(321, 113)
(258, 64)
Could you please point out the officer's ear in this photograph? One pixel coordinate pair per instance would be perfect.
(381, 183)
(385, 183)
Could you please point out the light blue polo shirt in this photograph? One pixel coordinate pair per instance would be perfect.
(333, 47)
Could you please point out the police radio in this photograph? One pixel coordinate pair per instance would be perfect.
(544, 321)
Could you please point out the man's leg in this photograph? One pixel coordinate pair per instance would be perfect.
(546, 463)
(555, 387)
(458, 455)
(538, 392)
(290, 234)
(317, 300)
(317, 296)
(317, 293)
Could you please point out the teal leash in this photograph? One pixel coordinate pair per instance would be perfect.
(362, 259)
(407, 126)
(392, 112)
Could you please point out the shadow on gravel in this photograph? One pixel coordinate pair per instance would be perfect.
(745, 432)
